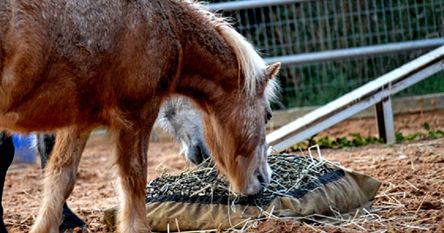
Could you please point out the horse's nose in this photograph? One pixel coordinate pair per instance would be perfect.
(198, 153)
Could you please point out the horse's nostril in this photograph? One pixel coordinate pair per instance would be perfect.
(261, 179)
(198, 153)
(203, 151)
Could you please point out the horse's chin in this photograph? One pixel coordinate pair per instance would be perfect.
(256, 174)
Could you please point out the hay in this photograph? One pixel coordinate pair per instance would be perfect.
(200, 198)
(292, 176)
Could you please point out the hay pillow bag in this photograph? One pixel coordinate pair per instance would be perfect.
(200, 199)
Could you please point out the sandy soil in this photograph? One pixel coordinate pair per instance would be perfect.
(94, 190)
(410, 200)
(404, 123)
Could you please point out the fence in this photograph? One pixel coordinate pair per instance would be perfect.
(283, 28)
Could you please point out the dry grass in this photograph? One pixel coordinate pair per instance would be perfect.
(291, 173)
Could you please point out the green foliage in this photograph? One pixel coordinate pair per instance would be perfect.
(356, 139)
(428, 134)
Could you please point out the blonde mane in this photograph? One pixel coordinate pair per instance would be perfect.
(251, 65)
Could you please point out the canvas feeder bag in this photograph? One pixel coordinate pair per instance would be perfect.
(200, 199)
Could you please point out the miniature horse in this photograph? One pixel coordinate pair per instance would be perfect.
(177, 117)
(72, 66)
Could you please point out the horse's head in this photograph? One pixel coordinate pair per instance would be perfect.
(182, 120)
(225, 76)
(237, 139)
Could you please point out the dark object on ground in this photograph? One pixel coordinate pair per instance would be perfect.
(6, 157)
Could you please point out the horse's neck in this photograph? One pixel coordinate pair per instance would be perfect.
(209, 65)
(208, 76)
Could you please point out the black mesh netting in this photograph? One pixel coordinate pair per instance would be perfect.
(292, 176)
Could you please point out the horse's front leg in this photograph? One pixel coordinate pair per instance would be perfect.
(6, 157)
(132, 146)
(60, 176)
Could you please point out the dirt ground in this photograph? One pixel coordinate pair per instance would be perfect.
(411, 198)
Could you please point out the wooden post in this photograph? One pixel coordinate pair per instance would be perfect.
(384, 117)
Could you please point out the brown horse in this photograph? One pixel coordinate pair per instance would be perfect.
(71, 66)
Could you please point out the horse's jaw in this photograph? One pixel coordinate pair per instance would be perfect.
(256, 173)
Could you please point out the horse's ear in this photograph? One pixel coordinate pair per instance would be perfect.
(272, 70)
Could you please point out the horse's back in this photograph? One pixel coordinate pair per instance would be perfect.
(82, 58)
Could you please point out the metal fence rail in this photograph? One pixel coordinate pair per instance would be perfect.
(283, 29)
(376, 92)
(250, 4)
(365, 51)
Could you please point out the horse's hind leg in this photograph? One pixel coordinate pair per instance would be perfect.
(132, 146)
(6, 156)
(60, 176)
(45, 145)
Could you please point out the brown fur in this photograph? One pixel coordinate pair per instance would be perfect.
(60, 177)
(74, 65)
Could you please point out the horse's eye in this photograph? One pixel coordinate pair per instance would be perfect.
(268, 117)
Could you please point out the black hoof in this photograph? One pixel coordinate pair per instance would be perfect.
(71, 222)
(83, 229)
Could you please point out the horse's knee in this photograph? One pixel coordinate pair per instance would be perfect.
(61, 176)
(134, 183)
